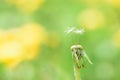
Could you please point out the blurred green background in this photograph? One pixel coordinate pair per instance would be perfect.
(101, 39)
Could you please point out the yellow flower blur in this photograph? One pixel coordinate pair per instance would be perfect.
(91, 19)
(114, 3)
(32, 35)
(27, 6)
(91, 1)
(116, 38)
(53, 40)
(17, 45)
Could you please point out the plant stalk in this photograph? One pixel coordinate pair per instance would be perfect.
(77, 73)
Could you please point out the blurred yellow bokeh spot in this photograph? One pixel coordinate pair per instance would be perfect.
(91, 19)
(27, 6)
(32, 34)
(91, 1)
(114, 3)
(116, 38)
(53, 39)
(17, 45)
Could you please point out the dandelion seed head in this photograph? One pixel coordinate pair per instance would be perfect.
(76, 46)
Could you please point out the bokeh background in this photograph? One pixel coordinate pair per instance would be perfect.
(34, 45)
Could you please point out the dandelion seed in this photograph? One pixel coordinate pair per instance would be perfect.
(74, 30)
(70, 30)
(79, 31)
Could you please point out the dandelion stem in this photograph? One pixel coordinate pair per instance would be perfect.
(76, 73)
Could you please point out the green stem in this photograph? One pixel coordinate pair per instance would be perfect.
(76, 73)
